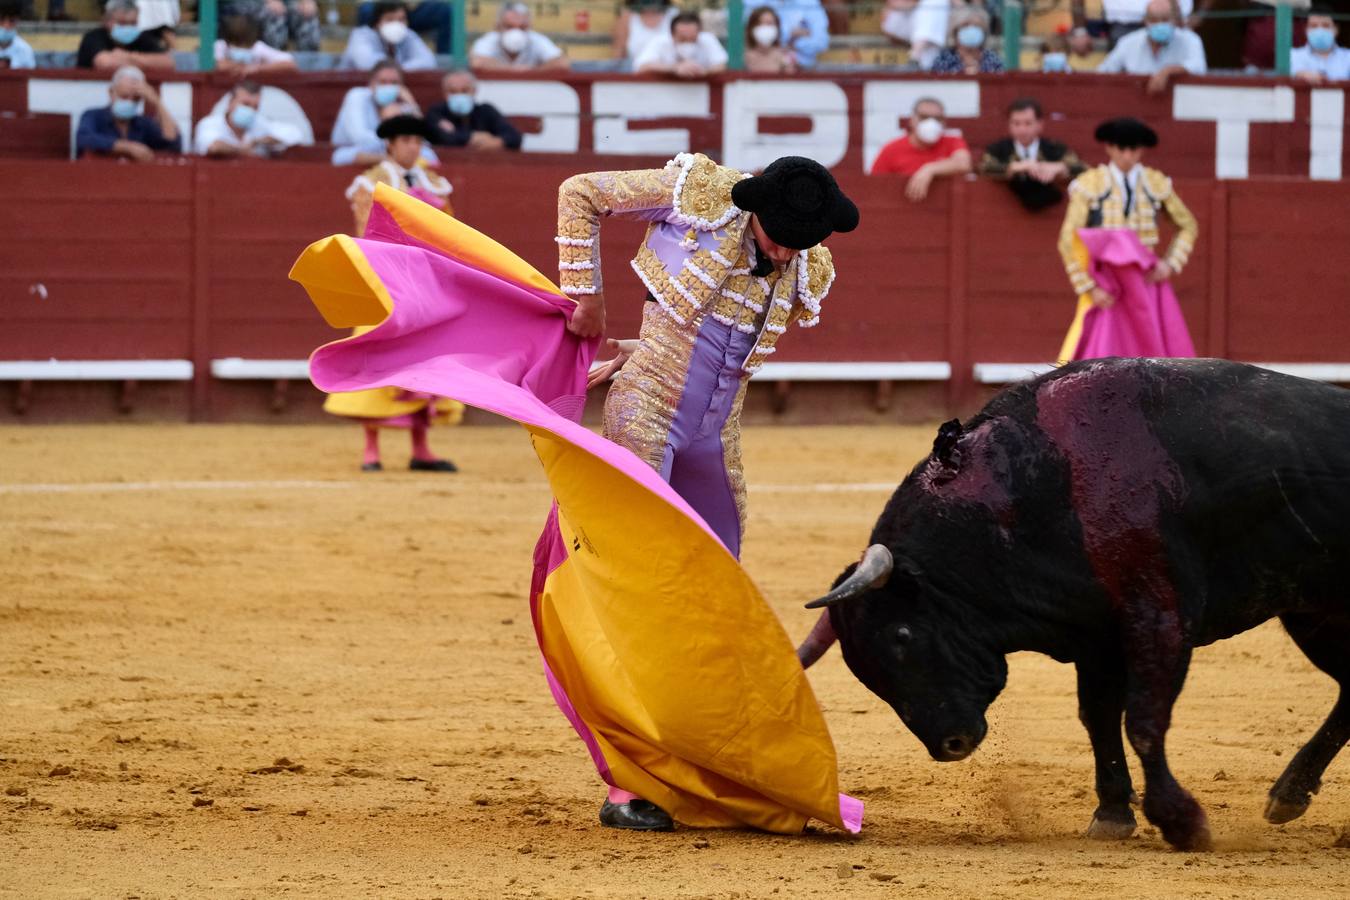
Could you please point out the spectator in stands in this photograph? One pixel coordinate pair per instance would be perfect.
(403, 167)
(427, 16)
(764, 50)
(1120, 17)
(686, 52)
(355, 133)
(1055, 54)
(1321, 59)
(968, 55)
(282, 22)
(919, 24)
(928, 151)
(122, 128)
(1083, 53)
(159, 19)
(119, 42)
(390, 38)
(639, 24)
(239, 129)
(513, 45)
(461, 121)
(241, 51)
(1160, 49)
(805, 28)
(14, 50)
(1030, 162)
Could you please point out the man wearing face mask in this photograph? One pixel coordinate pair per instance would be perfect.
(1320, 60)
(513, 45)
(119, 42)
(687, 52)
(355, 138)
(926, 152)
(389, 38)
(15, 53)
(968, 54)
(1161, 49)
(729, 263)
(240, 130)
(122, 128)
(461, 121)
(241, 52)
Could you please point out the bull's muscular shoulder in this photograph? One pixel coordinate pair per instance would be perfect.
(1092, 183)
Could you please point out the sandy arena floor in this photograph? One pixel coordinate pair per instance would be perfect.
(232, 665)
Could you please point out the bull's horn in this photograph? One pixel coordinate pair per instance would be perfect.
(821, 638)
(871, 573)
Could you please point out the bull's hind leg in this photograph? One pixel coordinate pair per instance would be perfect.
(1101, 703)
(1327, 643)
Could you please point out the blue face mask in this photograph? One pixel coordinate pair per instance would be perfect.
(125, 109)
(970, 36)
(243, 116)
(460, 104)
(1054, 62)
(385, 94)
(7, 35)
(125, 34)
(1161, 32)
(240, 55)
(1320, 39)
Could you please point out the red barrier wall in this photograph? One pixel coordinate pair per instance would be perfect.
(189, 259)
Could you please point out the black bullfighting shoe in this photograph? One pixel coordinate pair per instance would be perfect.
(636, 815)
(432, 465)
(372, 467)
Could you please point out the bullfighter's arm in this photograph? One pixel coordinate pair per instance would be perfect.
(583, 200)
(1187, 230)
(1070, 248)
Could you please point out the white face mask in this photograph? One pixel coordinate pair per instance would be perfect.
(928, 130)
(514, 40)
(686, 52)
(393, 32)
(765, 35)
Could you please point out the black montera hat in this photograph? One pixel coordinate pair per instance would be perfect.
(394, 126)
(1127, 133)
(797, 201)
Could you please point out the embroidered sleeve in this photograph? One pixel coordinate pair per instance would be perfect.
(1074, 164)
(1071, 249)
(583, 200)
(994, 165)
(1187, 228)
(814, 278)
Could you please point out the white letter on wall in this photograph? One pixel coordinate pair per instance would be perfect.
(885, 103)
(824, 102)
(557, 104)
(1232, 109)
(1327, 134)
(616, 103)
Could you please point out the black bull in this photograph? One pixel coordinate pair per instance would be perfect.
(1114, 514)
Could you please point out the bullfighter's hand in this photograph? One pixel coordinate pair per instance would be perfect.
(588, 319)
(604, 371)
(1161, 272)
(1101, 299)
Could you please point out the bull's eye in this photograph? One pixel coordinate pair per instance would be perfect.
(902, 639)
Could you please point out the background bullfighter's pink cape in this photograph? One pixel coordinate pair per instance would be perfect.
(1145, 320)
(657, 645)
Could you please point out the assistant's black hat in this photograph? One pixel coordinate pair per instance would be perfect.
(1126, 132)
(394, 126)
(797, 201)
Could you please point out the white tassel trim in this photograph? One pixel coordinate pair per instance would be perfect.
(774, 329)
(686, 294)
(725, 320)
(575, 242)
(575, 266)
(722, 260)
(360, 183)
(700, 274)
(686, 163)
(808, 323)
(782, 304)
(580, 290)
(660, 300)
(746, 328)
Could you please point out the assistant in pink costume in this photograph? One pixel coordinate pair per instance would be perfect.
(722, 730)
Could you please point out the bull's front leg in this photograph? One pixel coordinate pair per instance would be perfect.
(1157, 656)
(1101, 702)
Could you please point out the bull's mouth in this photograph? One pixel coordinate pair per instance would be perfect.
(956, 747)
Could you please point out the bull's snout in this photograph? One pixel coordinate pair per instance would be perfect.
(956, 747)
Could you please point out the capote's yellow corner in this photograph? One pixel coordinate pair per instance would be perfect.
(342, 283)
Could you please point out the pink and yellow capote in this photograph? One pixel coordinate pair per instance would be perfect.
(657, 645)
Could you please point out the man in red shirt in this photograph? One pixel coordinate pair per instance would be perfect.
(926, 152)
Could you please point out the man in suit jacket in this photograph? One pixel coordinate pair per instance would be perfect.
(1030, 163)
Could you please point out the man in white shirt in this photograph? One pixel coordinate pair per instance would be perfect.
(687, 52)
(1321, 59)
(514, 46)
(1160, 49)
(241, 130)
(363, 109)
(390, 38)
(15, 53)
(1124, 16)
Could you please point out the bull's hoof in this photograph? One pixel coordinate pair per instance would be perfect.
(1279, 811)
(1107, 829)
(1191, 840)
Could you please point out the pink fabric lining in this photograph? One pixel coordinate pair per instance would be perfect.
(1146, 319)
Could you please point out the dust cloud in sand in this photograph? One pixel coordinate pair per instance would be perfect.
(233, 665)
